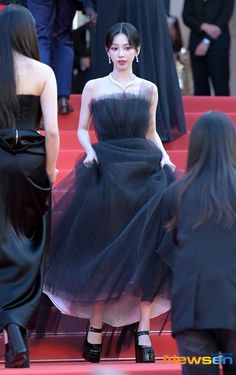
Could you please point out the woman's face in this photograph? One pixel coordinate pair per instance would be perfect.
(121, 52)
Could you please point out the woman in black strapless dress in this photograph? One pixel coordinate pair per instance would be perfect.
(110, 256)
(27, 170)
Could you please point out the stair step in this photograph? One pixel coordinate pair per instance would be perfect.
(126, 368)
(68, 347)
(190, 103)
(209, 103)
(194, 106)
(191, 118)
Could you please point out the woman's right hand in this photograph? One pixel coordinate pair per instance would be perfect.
(90, 158)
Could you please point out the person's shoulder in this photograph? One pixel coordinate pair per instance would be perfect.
(94, 86)
(150, 90)
(43, 71)
(150, 85)
(92, 83)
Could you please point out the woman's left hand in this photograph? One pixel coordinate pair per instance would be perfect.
(52, 175)
(166, 161)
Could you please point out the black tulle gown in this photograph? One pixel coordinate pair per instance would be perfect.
(156, 62)
(108, 240)
(24, 194)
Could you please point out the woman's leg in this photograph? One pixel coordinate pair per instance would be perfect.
(96, 321)
(5, 336)
(92, 347)
(144, 323)
(144, 352)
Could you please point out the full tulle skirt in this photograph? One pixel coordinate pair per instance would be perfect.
(108, 241)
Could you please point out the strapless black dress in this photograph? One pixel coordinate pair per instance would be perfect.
(24, 194)
(108, 238)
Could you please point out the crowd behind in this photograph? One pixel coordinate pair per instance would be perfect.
(71, 50)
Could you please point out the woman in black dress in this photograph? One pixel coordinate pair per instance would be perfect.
(201, 210)
(109, 254)
(156, 62)
(27, 170)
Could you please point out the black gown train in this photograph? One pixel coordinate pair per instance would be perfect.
(24, 193)
(108, 239)
(156, 62)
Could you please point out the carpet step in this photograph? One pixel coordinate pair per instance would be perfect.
(127, 368)
(190, 103)
(194, 106)
(67, 343)
(70, 122)
(67, 347)
(191, 117)
(209, 103)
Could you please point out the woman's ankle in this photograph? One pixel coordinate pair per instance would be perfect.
(94, 335)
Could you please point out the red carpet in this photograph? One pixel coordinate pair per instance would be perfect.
(94, 369)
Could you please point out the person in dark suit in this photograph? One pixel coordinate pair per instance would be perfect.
(209, 44)
(54, 23)
(7, 2)
(201, 214)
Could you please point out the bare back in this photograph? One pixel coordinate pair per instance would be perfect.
(35, 78)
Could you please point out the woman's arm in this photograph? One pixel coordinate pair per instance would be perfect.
(84, 123)
(48, 99)
(152, 134)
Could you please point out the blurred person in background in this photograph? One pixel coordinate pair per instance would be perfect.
(209, 44)
(54, 28)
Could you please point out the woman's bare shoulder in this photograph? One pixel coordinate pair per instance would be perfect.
(40, 74)
(97, 82)
(95, 86)
(43, 69)
(148, 84)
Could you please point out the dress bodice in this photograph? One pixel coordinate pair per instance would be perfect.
(123, 115)
(23, 135)
(29, 112)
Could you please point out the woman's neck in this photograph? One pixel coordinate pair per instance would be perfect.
(123, 77)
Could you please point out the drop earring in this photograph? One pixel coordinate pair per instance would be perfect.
(137, 60)
(109, 60)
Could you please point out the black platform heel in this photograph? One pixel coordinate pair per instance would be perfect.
(92, 352)
(143, 354)
(16, 350)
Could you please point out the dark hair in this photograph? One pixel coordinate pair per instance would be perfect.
(212, 165)
(123, 28)
(17, 33)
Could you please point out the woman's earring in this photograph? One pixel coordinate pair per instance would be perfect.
(109, 60)
(137, 60)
